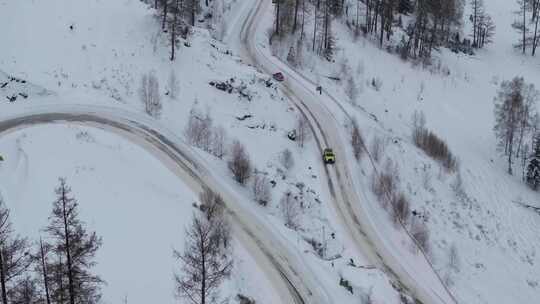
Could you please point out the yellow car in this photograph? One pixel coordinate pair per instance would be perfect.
(329, 157)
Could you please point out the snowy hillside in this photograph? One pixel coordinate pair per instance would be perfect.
(80, 59)
(303, 231)
(477, 210)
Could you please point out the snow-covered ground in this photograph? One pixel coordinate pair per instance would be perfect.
(496, 239)
(127, 196)
(81, 54)
(95, 53)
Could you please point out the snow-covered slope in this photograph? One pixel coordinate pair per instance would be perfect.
(496, 239)
(95, 53)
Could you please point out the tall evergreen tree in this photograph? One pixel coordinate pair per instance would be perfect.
(14, 257)
(75, 248)
(533, 169)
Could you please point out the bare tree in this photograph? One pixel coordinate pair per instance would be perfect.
(357, 141)
(420, 233)
(286, 159)
(219, 142)
(303, 130)
(376, 148)
(26, 291)
(204, 263)
(239, 164)
(290, 210)
(385, 184)
(261, 190)
(509, 111)
(75, 248)
(149, 94)
(199, 130)
(453, 258)
(351, 90)
(14, 256)
(213, 207)
(401, 208)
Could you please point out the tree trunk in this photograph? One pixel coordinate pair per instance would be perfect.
(277, 16)
(68, 252)
(193, 9)
(383, 20)
(315, 26)
(535, 38)
(163, 22)
(524, 24)
(45, 273)
(326, 25)
(3, 276)
(173, 32)
(203, 263)
(475, 22)
(296, 5)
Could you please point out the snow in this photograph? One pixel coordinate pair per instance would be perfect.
(125, 195)
(495, 237)
(97, 67)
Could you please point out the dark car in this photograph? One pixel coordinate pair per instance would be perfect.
(278, 76)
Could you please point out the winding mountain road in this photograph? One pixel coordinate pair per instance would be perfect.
(352, 210)
(283, 267)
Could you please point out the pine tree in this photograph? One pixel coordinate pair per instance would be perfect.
(533, 169)
(75, 249)
(521, 25)
(14, 256)
(205, 262)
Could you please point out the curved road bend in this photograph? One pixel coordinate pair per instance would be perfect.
(284, 268)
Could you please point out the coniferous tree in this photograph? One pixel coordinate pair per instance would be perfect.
(42, 269)
(75, 248)
(14, 257)
(533, 168)
(522, 25)
(205, 261)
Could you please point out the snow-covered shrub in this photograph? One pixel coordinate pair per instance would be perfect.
(401, 208)
(261, 190)
(357, 141)
(240, 164)
(420, 233)
(149, 94)
(219, 142)
(435, 147)
(385, 184)
(286, 159)
(351, 90)
(376, 148)
(199, 130)
(290, 210)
